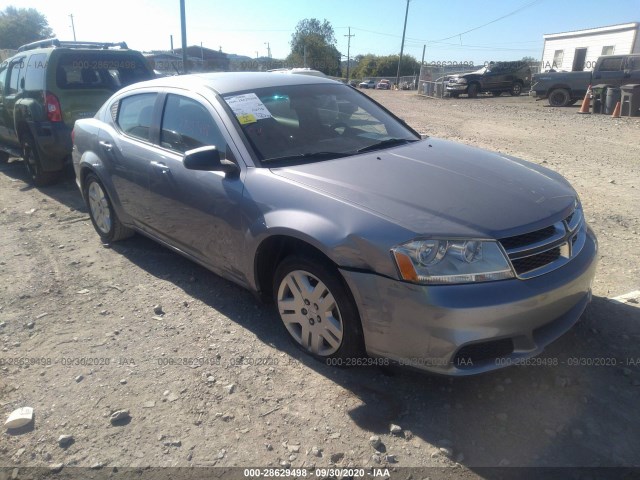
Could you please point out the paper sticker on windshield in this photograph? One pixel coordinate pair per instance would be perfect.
(246, 118)
(248, 108)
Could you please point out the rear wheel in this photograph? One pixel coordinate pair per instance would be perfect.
(472, 91)
(31, 158)
(316, 309)
(103, 217)
(560, 97)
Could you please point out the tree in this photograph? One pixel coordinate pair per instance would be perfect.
(22, 25)
(315, 42)
(384, 66)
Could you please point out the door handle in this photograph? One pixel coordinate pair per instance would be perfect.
(160, 166)
(106, 145)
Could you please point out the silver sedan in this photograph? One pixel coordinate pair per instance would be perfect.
(374, 244)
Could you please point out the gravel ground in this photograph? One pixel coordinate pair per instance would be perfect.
(87, 331)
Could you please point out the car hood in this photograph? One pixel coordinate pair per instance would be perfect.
(436, 187)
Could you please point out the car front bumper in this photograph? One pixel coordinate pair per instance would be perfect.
(457, 87)
(472, 328)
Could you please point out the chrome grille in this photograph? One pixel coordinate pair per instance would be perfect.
(535, 253)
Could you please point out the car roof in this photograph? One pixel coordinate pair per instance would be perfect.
(227, 82)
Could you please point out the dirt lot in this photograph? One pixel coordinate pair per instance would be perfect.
(80, 339)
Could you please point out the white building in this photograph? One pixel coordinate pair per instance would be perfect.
(579, 50)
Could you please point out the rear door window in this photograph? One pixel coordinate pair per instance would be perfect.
(611, 64)
(135, 114)
(15, 74)
(99, 70)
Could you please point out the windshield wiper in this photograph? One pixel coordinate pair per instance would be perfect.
(309, 156)
(389, 142)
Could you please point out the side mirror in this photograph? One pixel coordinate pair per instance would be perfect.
(208, 159)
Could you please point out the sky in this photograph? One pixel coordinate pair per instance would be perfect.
(453, 31)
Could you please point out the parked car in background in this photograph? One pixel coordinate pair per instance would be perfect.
(367, 84)
(50, 84)
(383, 85)
(566, 88)
(496, 78)
(299, 71)
(369, 239)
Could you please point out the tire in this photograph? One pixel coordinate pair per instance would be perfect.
(516, 89)
(560, 97)
(317, 309)
(101, 211)
(496, 94)
(472, 91)
(31, 157)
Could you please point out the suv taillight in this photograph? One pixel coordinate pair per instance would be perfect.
(52, 106)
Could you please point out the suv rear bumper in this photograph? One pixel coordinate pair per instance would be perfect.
(54, 144)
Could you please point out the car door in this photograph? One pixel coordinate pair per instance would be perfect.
(3, 77)
(198, 212)
(610, 71)
(126, 148)
(13, 87)
(632, 70)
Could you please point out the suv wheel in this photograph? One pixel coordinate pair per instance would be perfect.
(472, 91)
(560, 97)
(103, 217)
(31, 158)
(516, 89)
(317, 309)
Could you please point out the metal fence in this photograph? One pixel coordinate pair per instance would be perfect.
(408, 82)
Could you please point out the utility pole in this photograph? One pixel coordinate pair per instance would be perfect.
(171, 40)
(404, 30)
(73, 27)
(183, 26)
(348, 52)
(268, 49)
(424, 48)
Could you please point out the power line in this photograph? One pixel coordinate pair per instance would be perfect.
(530, 4)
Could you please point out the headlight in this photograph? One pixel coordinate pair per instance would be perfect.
(461, 80)
(437, 261)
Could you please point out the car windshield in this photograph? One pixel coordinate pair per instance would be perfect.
(305, 123)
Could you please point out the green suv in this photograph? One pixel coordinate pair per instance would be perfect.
(50, 84)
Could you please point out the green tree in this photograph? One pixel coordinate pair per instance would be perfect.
(384, 66)
(315, 42)
(22, 25)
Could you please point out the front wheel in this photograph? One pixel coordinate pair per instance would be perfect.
(516, 89)
(472, 91)
(31, 158)
(103, 217)
(316, 309)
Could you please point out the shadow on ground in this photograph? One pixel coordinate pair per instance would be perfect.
(575, 405)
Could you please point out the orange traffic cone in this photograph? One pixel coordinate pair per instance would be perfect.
(616, 111)
(586, 103)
